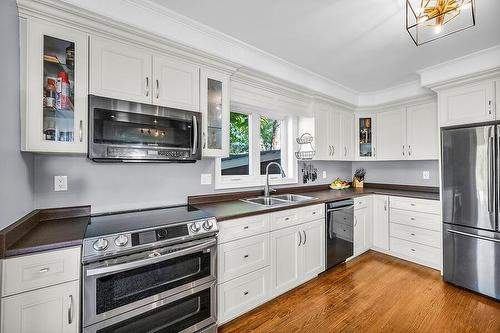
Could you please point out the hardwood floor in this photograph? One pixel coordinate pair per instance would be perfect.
(374, 293)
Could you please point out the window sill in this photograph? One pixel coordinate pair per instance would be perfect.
(260, 182)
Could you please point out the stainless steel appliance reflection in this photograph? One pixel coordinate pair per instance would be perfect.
(470, 186)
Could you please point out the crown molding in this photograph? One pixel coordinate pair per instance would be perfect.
(477, 64)
(393, 95)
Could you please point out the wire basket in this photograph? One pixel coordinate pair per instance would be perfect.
(305, 155)
(305, 139)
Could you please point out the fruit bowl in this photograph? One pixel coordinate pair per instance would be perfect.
(339, 184)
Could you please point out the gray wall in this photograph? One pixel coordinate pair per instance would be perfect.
(16, 169)
(110, 187)
(400, 172)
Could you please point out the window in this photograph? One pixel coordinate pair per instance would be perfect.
(255, 140)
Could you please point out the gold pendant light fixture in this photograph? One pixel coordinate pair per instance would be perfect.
(428, 20)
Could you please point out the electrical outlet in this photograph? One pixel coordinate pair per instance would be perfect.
(60, 183)
(206, 178)
(324, 174)
(426, 175)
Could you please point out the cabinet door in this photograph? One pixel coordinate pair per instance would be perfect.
(286, 263)
(47, 310)
(360, 231)
(313, 248)
(391, 135)
(422, 132)
(176, 84)
(467, 104)
(365, 137)
(321, 133)
(120, 71)
(381, 222)
(54, 114)
(335, 134)
(347, 131)
(214, 105)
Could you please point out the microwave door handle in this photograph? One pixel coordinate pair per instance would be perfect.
(149, 260)
(195, 136)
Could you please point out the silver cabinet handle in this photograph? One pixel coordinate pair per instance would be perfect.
(489, 106)
(300, 238)
(374, 152)
(70, 310)
(245, 256)
(147, 86)
(403, 150)
(385, 205)
(80, 130)
(305, 237)
(345, 151)
(333, 151)
(204, 140)
(409, 150)
(330, 150)
(44, 270)
(355, 220)
(245, 293)
(157, 88)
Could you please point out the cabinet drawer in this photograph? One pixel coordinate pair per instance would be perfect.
(418, 235)
(241, 228)
(285, 218)
(40, 270)
(240, 295)
(361, 202)
(242, 256)
(423, 254)
(416, 205)
(416, 219)
(311, 213)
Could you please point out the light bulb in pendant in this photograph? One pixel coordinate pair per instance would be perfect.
(438, 28)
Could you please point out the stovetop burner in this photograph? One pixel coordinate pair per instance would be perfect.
(118, 233)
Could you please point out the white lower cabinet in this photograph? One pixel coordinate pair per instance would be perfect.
(381, 222)
(362, 230)
(242, 294)
(48, 310)
(262, 256)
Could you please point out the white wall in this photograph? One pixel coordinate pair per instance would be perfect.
(399, 172)
(16, 169)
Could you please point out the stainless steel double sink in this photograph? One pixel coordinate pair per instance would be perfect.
(278, 200)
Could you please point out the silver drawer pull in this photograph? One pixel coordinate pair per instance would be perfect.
(44, 270)
(412, 218)
(245, 293)
(412, 234)
(314, 213)
(287, 218)
(245, 256)
(70, 310)
(412, 204)
(413, 250)
(245, 227)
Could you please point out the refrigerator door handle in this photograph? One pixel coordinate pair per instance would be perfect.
(491, 175)
(473, 236)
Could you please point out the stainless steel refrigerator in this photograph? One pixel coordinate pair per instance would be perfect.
(470, 193)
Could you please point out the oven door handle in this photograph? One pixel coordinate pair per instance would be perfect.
(149, 260)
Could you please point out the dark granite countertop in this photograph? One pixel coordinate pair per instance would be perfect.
(235, 208)
(43, 230)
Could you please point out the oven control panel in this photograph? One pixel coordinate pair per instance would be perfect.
(108, 245)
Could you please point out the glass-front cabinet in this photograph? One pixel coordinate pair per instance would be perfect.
(54, 101)
(365, 137)
(214, 105)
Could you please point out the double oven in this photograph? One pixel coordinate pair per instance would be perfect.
(164, 289)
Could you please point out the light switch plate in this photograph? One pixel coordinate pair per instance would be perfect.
(60, 183)
(426, 175)
(206, 178)
(324, 174)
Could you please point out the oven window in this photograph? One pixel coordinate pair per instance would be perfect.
(172, 317)
(123, 128)
(116, 290)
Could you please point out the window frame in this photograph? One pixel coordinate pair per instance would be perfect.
(288, 133)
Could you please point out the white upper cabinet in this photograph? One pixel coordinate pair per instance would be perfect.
(422, 141)
(365, 139)
(176, 83)
(335, 135)
(391, 135)
(347, 136)
(469, 103)
(130, 73)
(54, 81)
(214, 105)
(321, 133)
(120, 71)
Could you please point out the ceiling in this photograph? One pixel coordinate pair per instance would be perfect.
(357, 43)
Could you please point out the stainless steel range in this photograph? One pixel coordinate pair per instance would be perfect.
(150, 271)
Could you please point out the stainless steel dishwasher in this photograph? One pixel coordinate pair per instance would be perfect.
(339, 232)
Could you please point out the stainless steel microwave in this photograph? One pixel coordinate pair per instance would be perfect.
(122, 131)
